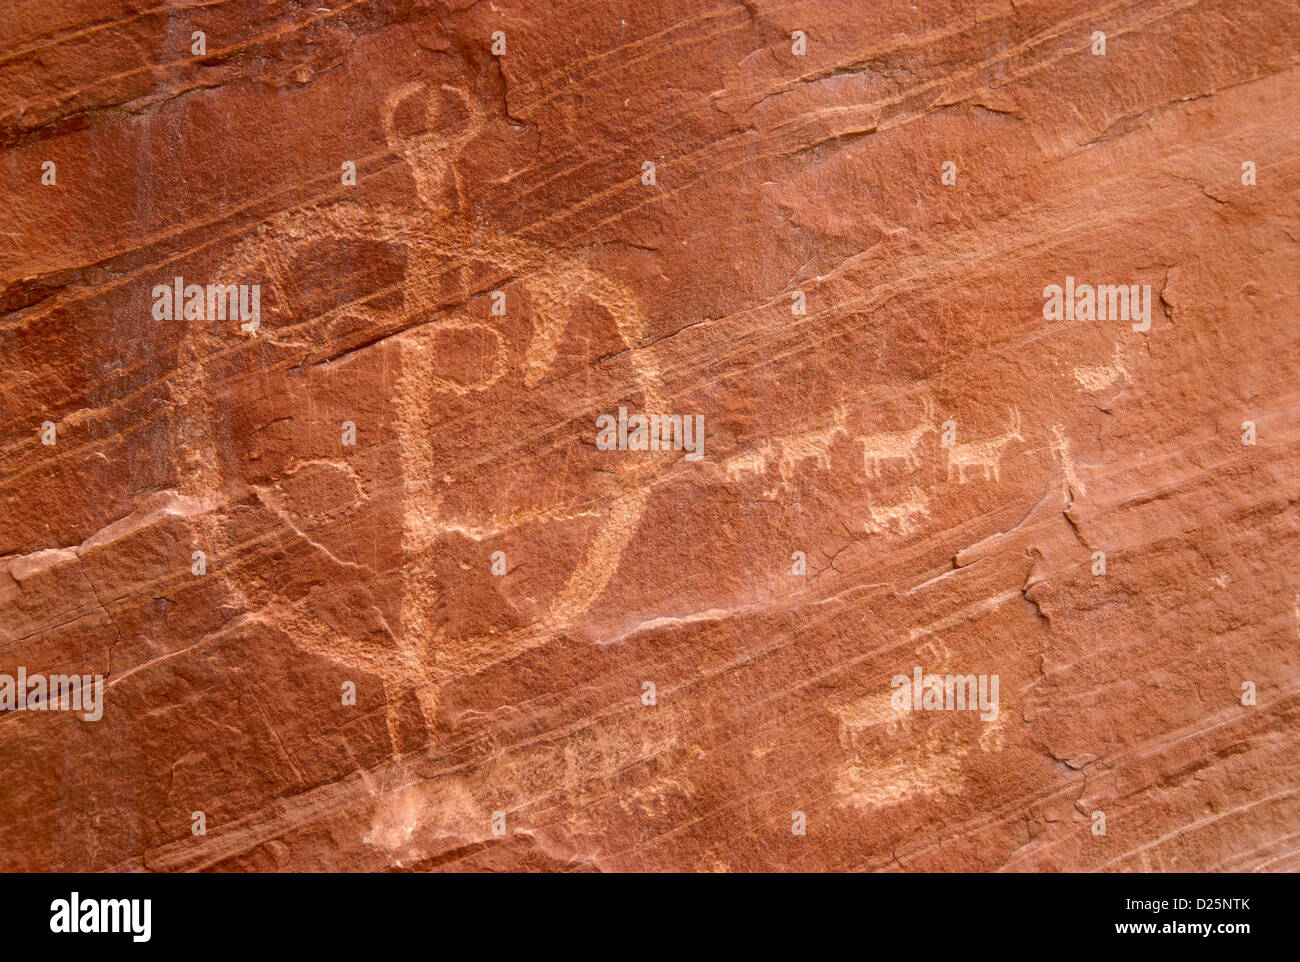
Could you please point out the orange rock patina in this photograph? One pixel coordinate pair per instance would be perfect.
(365, 589)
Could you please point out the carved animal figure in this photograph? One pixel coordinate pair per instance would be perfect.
(985, 454)
(896, 445)
(900, 517)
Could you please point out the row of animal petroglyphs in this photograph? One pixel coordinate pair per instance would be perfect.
(882, 450)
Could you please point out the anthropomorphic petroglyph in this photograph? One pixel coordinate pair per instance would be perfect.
(985, 455)
(449, 258)
(1071, 486)
(557, 281)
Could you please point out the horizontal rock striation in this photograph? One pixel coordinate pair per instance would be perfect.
(966, 537)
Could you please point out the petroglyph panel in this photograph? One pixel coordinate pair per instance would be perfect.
(364, 585)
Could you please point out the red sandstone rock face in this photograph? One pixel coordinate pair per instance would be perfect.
(916, 472)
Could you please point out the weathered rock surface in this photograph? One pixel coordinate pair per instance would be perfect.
(523, 692)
